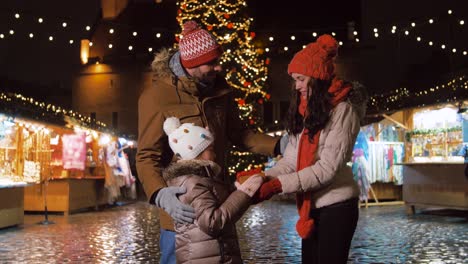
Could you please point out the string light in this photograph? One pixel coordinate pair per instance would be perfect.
(51, 112)
(226, 9)
(17, 16)
(398, 98)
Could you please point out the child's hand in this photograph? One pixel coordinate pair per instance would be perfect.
(251, 185)
(242, 176)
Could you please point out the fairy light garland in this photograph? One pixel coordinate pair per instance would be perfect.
(219, 16)
(454, 90)
(407, 31)
(41, 110)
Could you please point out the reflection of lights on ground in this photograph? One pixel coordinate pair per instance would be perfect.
(112, 245)
(256, 217)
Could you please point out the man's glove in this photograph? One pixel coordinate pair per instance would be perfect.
(267, 190)
(167, 199)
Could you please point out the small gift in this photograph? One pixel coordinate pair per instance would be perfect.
(242, 176)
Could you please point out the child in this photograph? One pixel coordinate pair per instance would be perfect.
(212, 238)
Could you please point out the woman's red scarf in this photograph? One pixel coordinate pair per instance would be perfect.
(307, 151)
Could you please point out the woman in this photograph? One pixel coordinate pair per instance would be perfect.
(324, 120)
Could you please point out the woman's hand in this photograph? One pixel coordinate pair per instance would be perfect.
(267, 190)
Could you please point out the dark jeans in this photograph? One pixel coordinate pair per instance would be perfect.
(167, 247)
(334, 229)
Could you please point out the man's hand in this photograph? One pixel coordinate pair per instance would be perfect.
(167, 199)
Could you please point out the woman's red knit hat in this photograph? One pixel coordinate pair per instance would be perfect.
(316, 59)
(197, 46)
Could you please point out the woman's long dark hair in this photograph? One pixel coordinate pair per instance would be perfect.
(318, 109)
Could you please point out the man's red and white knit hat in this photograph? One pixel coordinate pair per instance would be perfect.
(197, 46)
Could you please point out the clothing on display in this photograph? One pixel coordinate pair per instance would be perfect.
(382, 158)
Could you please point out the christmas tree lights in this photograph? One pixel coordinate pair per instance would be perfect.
(245, 67)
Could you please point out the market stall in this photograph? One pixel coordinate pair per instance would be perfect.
(17, 169)
(434, 175)
(88, 169)
(378, 148)
(50, 160)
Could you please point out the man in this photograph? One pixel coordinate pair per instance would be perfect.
(186, 85)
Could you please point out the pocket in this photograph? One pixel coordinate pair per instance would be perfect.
(188, 113)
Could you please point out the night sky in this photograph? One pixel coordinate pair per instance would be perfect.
(48, 67)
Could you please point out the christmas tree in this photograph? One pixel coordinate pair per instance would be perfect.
(245, 65)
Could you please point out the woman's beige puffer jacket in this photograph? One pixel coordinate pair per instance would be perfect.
(212, 238)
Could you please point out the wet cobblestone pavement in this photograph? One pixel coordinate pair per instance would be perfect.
(129, 234)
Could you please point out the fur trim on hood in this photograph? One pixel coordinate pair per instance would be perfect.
(358, 98)
(160, 64)
(192, 167)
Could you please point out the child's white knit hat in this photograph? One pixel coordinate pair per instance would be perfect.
(186, 140)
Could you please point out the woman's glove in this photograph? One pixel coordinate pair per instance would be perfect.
(267, 190)
(251, 185)
(167, 200)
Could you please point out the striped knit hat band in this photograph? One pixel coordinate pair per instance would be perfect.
(197, 46)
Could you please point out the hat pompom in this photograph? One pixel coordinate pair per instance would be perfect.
(171, 124)
(329, 44)
(189, 26)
